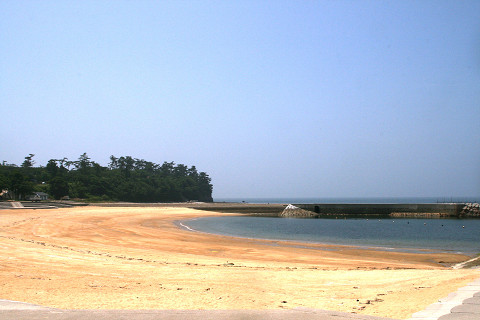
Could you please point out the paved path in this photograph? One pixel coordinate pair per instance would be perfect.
(463, 304)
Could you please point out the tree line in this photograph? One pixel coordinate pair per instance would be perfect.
(124, 179)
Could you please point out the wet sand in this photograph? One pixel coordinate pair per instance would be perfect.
(138, 258)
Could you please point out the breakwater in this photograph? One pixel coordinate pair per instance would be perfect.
(312, 210)
(413, 209)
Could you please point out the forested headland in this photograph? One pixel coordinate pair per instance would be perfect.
(124, 179)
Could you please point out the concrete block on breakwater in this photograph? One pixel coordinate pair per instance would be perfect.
(471, 210)
(294, 211)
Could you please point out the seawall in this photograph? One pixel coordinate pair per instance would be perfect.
(277, 209)
(425, 209)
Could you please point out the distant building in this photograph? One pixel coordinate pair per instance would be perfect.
(38, 196)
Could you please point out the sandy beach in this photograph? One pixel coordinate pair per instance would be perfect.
(139, 258)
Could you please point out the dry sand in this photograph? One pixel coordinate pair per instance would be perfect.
(138, 258)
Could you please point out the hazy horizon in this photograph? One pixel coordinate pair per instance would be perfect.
(271, 99)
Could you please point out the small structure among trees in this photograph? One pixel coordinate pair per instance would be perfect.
(37, 196)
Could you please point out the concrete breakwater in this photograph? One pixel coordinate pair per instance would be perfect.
(412, 210)
(313, 210)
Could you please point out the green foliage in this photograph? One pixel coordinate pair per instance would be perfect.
(3, 182)
(29, 162)
(124, 179)
(42, 187)
(58, 187)
(19, 184)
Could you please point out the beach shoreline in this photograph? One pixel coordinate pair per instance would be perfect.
(138, 258)
(302, 242)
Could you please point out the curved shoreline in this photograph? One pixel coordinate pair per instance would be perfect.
(420, 250)
(137, 258)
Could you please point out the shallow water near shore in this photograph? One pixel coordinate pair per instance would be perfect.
(402, 234)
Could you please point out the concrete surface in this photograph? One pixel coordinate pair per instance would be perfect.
(464, 304)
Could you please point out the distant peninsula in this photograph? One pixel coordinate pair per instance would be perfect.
(124, 179)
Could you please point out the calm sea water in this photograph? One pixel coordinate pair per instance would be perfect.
(457, 235)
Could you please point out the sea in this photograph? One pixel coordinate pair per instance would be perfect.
(383, 233)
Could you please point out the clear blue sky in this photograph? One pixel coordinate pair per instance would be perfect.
(270, 98)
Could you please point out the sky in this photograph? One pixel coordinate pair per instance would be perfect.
(269, 98)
